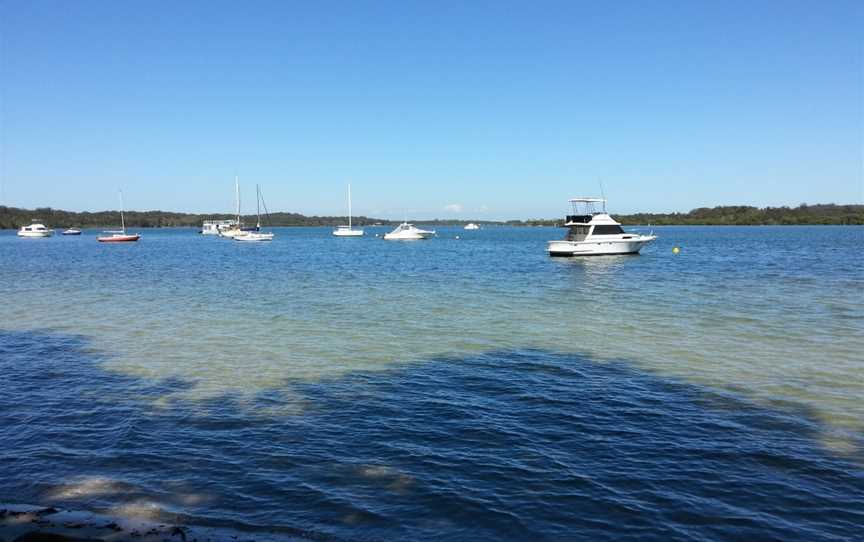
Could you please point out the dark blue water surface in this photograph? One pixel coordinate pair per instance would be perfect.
(514, 441)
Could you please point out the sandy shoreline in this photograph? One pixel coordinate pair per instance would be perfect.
(28, 523)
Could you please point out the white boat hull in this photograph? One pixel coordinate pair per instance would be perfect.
(348, 233)
(35, 233)
(253, 237)
(408, 236)
(599, 246)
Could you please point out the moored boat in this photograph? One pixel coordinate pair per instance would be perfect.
(472, 226)
(119, 236)
(348, 231)
(36, 229)
(594, 233)
(255, 235)
(72, 231)
(408, 232)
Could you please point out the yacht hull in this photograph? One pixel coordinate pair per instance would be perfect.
(348, 233)
(35, 233)
(119, 239)
(598, 247)
(408, 237)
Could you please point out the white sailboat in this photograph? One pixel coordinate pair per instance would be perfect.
(256, 235)
(348, 231)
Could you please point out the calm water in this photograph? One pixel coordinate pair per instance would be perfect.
(472, 389)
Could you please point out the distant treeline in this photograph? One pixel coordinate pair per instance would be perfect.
(738, 215)
(14, 218)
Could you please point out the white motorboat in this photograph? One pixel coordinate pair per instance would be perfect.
(72, 231)
(36, 229)
(214, 227)
(472, 226)
(348, 231)
(256, 235)
(408, 232)
(594, 233)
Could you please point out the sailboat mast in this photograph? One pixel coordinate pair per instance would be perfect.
(258, 204)
(349, 206)
(237, 194)
(122, 219)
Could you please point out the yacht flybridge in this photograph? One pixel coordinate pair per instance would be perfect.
(408, 232)
(36, 229)
(593, 233)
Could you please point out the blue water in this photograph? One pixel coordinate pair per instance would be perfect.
(454, 389)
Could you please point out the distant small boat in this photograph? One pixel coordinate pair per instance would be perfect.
(72, 231)
(408, 232)
(119, 236)
(36, 229)
(348, 231)
(472, 226)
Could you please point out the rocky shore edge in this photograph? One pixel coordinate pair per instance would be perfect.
(28, 523)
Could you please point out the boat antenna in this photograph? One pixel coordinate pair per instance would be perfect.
(603, 195)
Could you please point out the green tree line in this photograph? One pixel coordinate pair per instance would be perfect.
(14, 218)
(828, 213)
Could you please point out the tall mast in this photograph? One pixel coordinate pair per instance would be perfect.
(122, 220)
(349, 206)
(237, 193)
(258, 204)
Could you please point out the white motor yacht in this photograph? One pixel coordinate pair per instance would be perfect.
(348, 231)
(472, 226)
(408, 232)
(594, 233)
(72, 231)
(36, 229)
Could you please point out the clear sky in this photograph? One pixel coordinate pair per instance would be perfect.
(436, 109)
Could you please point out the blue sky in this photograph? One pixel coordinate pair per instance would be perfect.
(436, 109)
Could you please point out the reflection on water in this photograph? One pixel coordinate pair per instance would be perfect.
(200, 348)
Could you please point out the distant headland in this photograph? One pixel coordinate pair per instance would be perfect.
(830, 213)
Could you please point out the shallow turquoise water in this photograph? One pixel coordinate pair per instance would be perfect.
(357, 388)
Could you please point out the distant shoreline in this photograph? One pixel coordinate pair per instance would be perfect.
(803, 215)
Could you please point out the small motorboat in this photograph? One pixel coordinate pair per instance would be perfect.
(408, 232)
(36, 229)
(72, 231)
(471, 226)
(595, 233)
